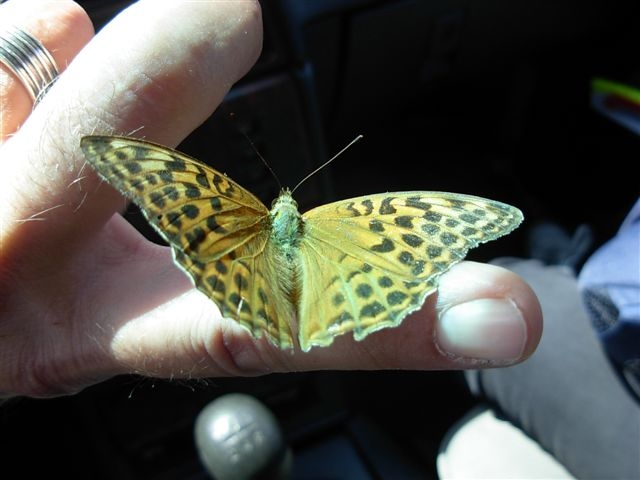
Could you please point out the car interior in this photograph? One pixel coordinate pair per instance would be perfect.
(486, 98)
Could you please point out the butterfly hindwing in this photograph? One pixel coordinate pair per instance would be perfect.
(247, 287)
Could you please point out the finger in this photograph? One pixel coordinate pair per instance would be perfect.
(62, 27)
(159, 69)
(487, 314)
(482, 316)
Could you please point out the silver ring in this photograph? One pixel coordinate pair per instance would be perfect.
(27, 58)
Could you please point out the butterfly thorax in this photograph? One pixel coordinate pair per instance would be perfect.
(286, 221)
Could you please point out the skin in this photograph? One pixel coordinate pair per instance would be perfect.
(83, 296)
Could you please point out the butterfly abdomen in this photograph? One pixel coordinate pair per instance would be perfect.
(287, 229)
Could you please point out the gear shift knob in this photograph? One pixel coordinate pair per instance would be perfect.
(238, 437)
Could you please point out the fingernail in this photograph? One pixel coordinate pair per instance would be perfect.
(487, 329)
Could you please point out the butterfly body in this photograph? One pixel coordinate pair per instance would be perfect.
(286, 221)
(357, 265)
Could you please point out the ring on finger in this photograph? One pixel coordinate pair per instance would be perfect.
(29, 61)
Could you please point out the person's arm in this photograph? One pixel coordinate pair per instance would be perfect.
(83, 296)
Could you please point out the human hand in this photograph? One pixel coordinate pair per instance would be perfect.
(83, 296)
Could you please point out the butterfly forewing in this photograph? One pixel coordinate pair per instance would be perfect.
(386, 253)
(176, 193)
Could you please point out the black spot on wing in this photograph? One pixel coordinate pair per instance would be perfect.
(364, 290)
(353, 211)
(376, 226)
(216, 285)
(171, 192)
(198, 264)
(440, 266)
(404, 221)
(263, 296)
(151, 179)
(406, 258)
(176, 164)
(451, 222)
(371, 309)
(137, 183)
(430, 229)
(190, 211)
(117, 173)
(173, 219)
(448, 238)
(192, 191)
(412, 240)
(396, 297)
(418, 267)
(219, 181)
(384, 247)
(236, 301)
(343, 317)
(214, 226)
(195, 238)
(157, 199)
(368, 205)
(432, 217)
(166, 176)
(416, 202)
(220, 267)
(240, 282)
(386, 208)
(140, 153)
(353, 274)
(201, 178)
(468, 218)
(216, 204)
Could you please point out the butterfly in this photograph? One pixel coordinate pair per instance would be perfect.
(356, 265)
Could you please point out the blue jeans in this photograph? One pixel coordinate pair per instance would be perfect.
(567, 396)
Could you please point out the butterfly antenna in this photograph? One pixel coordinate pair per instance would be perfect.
(359, 137)
(266, 164)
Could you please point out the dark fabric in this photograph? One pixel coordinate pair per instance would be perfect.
(567, 396)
